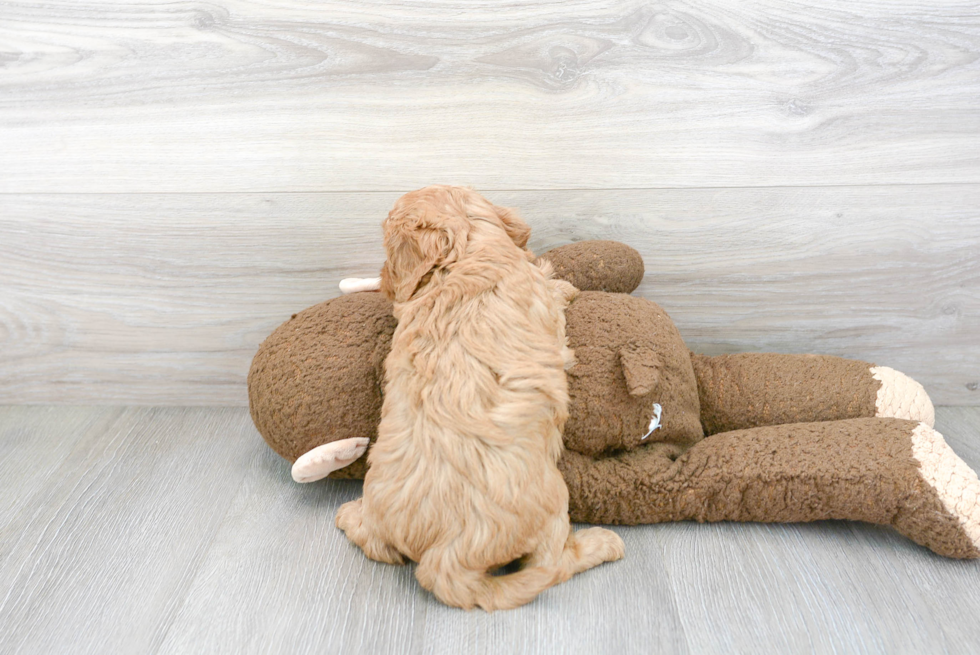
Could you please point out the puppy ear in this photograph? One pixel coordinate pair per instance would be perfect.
(518, 231)
(413, 252)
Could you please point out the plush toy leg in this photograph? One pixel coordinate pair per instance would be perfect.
(755, 389)
(884, 471)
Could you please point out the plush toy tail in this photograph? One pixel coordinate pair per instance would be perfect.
(879, 470)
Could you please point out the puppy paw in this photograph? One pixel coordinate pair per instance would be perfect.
(600, 544)
(349, 516)
(566, 290)
(568, 358)
(350, 519)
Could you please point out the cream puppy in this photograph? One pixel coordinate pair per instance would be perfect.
(463, 477)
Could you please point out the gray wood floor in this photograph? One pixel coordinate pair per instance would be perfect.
(165, 530)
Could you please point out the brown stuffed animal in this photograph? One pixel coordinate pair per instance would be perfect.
(655, 432)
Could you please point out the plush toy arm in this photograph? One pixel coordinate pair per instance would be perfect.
(755, 389)
(597, 265)
(885, 471)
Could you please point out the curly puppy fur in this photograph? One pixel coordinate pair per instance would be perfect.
(463, 477)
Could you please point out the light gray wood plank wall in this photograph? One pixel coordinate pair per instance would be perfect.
(798, 177)
(271, 96)
(163, 299)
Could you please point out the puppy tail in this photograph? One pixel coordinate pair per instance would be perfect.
(458, 586)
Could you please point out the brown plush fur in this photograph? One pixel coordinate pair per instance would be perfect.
(598, 265)
(816, 446)
(315, 380)
(618, 338)
(861, 469)
(837, 388)
(463, 478)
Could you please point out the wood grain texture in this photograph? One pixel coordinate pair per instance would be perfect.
(265, 95)
(28, 462)
(163, 299)
(101, 556)
(177, 530)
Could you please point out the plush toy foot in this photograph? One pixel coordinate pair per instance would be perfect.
(950, 526)
(899, 396)
(324, 460)
(354, 284)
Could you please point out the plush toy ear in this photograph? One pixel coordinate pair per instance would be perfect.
(641, 367)
(413, 252)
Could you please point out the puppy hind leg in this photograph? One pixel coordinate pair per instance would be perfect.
(590, 547)
(573, 552)
(350, 519)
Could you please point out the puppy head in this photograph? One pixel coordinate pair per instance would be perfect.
(515, 227)
(429, 229)
(476, 207)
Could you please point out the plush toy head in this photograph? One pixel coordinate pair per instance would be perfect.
(318, 378)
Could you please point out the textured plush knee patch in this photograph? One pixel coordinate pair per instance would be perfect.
(955, 483)
(899, 396)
